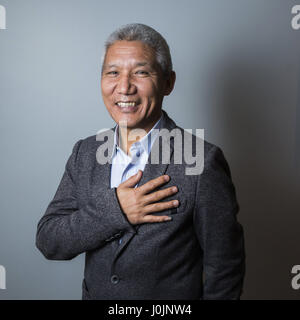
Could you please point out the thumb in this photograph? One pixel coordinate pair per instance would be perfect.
(133, 180)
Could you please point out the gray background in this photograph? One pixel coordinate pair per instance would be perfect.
(238, 77)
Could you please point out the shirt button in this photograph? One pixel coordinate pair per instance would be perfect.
(114, 279)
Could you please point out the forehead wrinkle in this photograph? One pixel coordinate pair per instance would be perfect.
(129, 54)
(137, 64)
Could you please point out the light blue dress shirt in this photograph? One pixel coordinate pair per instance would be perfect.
(124, 166)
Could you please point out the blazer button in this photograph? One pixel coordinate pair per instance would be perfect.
(114, 279)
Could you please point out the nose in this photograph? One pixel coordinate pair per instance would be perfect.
(125, 85)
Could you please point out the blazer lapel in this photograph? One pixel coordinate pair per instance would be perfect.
(151, 171)
(154, 170)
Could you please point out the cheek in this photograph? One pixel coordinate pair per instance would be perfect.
(107, 88)
(147, 91)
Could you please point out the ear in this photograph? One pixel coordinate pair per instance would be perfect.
(170, 83)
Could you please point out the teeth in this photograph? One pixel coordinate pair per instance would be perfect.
(126, 104)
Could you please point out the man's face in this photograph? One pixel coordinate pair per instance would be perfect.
(132, 84)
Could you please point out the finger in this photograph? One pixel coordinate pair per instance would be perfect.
(153, 184)
(150, 218)
(160, 206)
(133, 180)
(159, 195)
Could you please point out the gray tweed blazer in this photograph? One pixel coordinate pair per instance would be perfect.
(199, 254)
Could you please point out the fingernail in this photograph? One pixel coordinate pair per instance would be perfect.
(167, 178)
(168, 219)
(175, 203)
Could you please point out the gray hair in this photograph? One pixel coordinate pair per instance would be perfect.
(147, 35)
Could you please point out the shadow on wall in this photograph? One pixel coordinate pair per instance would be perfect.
(297, 158)
(255, 111)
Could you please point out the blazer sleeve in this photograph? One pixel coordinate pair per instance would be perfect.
(219, 233)
(66, 230)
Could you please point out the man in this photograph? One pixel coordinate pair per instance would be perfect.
(149, 230)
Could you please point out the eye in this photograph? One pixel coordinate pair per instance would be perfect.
(143, 72)
(112, 72)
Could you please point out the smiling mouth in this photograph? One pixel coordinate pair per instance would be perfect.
(126, 104)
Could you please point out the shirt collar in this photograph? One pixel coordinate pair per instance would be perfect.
(146, 142)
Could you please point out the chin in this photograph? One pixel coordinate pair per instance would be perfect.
(130, 124)
(131, 120)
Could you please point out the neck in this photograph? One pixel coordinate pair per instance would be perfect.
(128, 136)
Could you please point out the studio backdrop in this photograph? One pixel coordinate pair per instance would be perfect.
(238, 78)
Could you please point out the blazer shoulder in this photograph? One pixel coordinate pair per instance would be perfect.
(92, 142)
(84, 143)
(208, 146)
(84, 148)
(214, 158)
